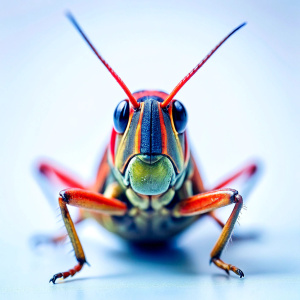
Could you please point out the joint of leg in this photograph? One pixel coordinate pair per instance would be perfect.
(253, 169)
(238, 199)
(82, 261)
(233, 195)
(212, 259)
(42, 168)
(216, 257)
(65, 196)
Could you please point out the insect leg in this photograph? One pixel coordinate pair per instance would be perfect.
(248, 172)
(55, 175)
(74, 240)
(206, 202)
(88, 200)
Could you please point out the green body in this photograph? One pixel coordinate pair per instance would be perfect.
(149, 218)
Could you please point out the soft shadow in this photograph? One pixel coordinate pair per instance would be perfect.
(159, 255)
(273, 265)
(254, 235)
(101, 277)
(222, 277)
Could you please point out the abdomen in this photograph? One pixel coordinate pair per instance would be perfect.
(145, 226)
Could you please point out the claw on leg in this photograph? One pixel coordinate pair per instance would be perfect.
(226, 267)
(64, 275)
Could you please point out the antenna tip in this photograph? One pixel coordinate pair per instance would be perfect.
(68, 13)
(236, 29)
(70, 16)
(242, 25)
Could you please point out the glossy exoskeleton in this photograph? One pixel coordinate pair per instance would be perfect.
(148, 187)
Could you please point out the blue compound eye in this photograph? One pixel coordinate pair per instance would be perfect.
(180, 116)
(121, 116)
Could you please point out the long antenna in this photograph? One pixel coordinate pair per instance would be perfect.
(133, 101)
(189, 75)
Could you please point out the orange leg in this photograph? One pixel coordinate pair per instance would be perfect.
(247, 172)
(206, 202)
(87, 200)
(56, 176)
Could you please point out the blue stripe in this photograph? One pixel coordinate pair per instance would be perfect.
(156, 146)
(145, 130)
(151, 131)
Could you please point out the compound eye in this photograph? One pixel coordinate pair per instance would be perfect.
(121, 116)
(180, 116)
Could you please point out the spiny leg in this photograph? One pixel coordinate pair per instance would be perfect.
(54, 176)
(79, 254)
(88, 200)
(247, 172)
(206, 202)
(224, 238)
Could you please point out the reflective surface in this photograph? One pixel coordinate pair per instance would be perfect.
(271, 264)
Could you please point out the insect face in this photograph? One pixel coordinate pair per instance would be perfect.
(148, 149)
(150, 154)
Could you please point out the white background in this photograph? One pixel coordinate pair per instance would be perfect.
(57, 102)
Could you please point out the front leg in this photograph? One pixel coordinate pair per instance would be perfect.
(206, 202)
(88, 200)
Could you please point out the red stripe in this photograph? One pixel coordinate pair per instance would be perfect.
(137, 139)
(163, 132)
(141, 94)
(186, 148)
(112, 144)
